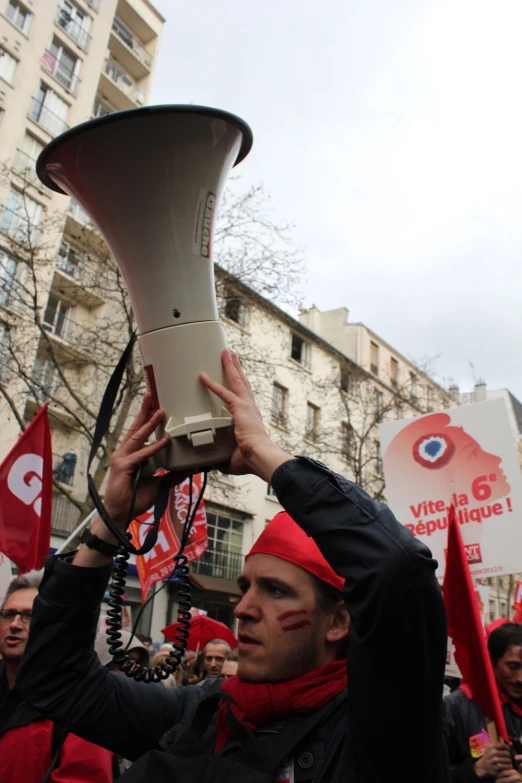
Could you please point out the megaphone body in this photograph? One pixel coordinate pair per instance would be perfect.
(151, 180)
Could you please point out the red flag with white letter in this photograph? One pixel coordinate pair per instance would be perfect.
(467, 632)
(26, 481)
(158, 564)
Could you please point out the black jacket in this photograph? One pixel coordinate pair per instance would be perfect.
(464, 729)
(392, 730)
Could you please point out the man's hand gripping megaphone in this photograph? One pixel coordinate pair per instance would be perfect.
(255, 452)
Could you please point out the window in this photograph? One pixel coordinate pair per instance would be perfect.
(25, 157)
(312, 421)
(374, 358)
(270, 491)
(100, 109)
(235, 309)
(20, 217)
(347, 381)
(7, 277)
(62, 64)
(413, 387)
(49, 110)
(75, 23)
(429, 398)
(377, 402)
(70, 260)
(348, 441)
(377, 457)
(46, 378)
(56, 318)
(7, 66)
(399, 411)
(300, 351)
(223, 557)
(18, 15)
(279, 402)
(394, 372)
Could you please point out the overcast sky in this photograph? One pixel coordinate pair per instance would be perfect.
(390, 133)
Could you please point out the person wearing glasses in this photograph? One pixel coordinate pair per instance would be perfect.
(28, 742)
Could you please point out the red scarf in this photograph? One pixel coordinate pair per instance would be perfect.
(504, 698)
(258, 703)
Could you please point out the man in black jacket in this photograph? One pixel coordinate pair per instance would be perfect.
(472, 755)
(388, 729)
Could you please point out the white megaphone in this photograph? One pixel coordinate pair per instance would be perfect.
(151, 180)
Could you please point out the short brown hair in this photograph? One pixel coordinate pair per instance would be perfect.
(32, 579)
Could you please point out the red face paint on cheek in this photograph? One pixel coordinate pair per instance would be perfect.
(291, 613)
(297, 626)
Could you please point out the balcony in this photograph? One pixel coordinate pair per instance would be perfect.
(79, 280)
(78, 212)
(95, 4)
(73, 30)
(120, 88)
(129, 50)
(60, 71)
(223, 565)
(48, 120)
(65, 516)
(17, 225)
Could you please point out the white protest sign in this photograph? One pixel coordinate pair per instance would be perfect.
(5, 575)
(465, 457)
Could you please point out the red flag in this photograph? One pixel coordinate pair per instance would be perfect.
(466, 630)
(26, 482)
(517, 605)
(158, 564)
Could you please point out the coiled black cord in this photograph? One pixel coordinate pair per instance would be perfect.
(129, 667)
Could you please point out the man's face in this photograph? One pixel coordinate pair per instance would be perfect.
(215, 655)
(508, 672)
(229, 669)
(282, 632)
(13, 634)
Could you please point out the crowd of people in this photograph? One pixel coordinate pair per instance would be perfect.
(339, 671)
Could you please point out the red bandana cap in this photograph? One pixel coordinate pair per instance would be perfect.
(283, 538)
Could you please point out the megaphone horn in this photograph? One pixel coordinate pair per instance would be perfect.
(151, 180)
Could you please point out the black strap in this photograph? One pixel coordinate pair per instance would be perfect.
(102, 427)
(109, 398)
(59, 736)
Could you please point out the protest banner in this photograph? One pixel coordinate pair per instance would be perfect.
(465, 457)
(158, 564)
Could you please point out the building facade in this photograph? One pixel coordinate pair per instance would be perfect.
(61, 62)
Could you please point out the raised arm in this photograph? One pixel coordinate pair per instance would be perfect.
(397, 639)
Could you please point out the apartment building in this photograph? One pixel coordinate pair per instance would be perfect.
(62, 62)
